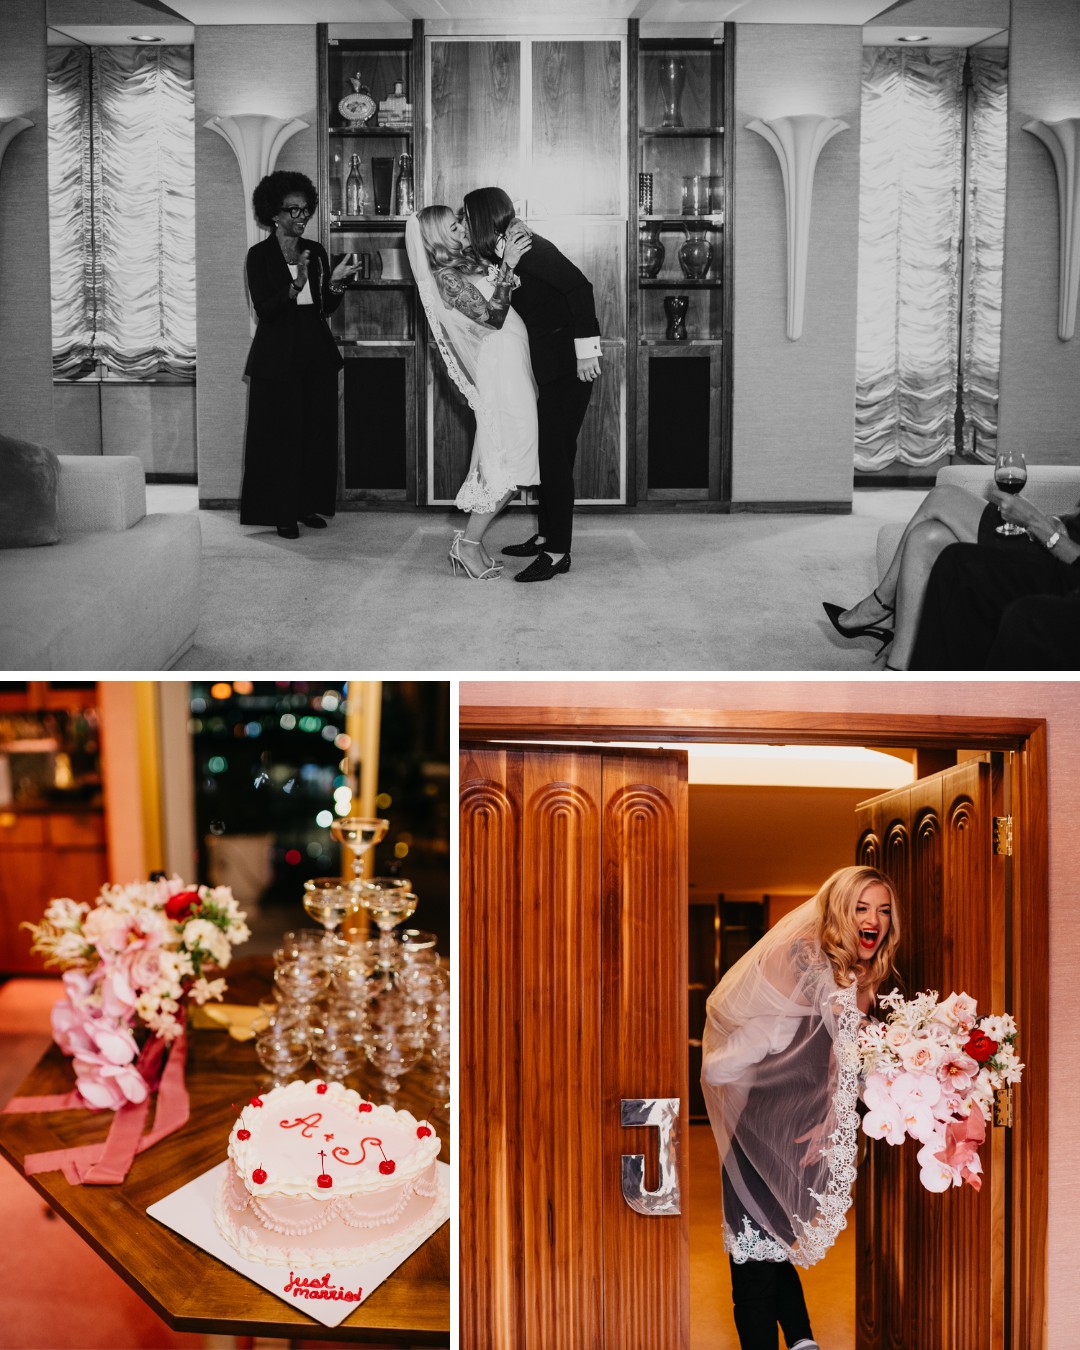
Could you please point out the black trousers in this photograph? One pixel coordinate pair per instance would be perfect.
(560, 410)
(1040, 632)
(290, 452)
(766, 1293)
(971, 591)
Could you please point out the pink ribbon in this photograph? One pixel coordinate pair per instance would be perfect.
(106, 1164)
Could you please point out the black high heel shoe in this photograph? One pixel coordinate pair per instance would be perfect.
(874, 630)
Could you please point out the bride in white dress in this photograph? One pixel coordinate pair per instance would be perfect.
(486, 350)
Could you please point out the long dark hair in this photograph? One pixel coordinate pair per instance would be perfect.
(489, 212)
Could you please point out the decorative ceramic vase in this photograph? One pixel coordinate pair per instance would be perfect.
(675, 307)
(695, 255)
(672, 79)
(650, 252)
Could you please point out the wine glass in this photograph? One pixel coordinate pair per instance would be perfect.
(283, 1049)
(360, 834)
(1010, 475)
(388, 906)
(328, 900)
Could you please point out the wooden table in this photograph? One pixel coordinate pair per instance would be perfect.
(186, 1287)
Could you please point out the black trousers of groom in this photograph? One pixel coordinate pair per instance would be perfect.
(560, 408)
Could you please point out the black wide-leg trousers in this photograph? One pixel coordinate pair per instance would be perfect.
(766, 1293)
(560, 408)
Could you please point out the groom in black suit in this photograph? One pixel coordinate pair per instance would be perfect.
(555, 301)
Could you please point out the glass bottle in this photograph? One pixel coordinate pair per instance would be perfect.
(405, 203)
(355, 194)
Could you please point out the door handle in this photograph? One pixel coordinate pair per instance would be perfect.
(663, 1113)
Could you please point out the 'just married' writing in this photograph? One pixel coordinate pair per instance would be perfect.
(320, 1288)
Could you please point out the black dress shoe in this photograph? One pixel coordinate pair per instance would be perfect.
(289, 531)
(529, 549)
(313, 522)
(543, 569)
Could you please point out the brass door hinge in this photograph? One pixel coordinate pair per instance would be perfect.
(1003, 836)
(1003, 1108)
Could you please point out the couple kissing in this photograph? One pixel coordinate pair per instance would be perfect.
(516, 326)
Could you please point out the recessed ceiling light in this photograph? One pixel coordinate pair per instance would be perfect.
(915, 37)
(143, 37)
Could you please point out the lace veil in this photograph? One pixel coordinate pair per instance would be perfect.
(458, 338)
(780, 1077)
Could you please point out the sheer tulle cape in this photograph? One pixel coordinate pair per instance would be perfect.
(500, 390)
(780, 1078)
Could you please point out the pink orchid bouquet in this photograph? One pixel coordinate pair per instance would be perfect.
(130, 960)
(931, 1069)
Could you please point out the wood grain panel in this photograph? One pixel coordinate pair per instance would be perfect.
(560, 1051)
(454, 427)
(475, 118)
(578, 136)
(646, 1259)
(598, 471)
(490, 1031)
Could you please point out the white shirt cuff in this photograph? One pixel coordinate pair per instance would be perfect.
(586, 347)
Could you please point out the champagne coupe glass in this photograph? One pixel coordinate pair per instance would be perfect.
(302, 982)
(328, 900)
(394, 1050)
(337, 1042)
(1010, 475)
(360, 834)
(283, 1049)
(388, 906)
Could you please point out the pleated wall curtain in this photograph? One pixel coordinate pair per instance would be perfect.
(122, 210)
(913, 331)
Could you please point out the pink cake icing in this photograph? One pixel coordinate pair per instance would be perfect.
(319, 1176)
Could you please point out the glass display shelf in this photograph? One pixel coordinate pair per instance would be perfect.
(679, 284)
(680, 133)
(401, 133)
(710, 222)
(679, 342)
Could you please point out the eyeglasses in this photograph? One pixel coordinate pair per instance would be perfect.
(297, 211)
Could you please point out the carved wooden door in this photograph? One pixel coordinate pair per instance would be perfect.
(573, 1004)
(544, 119)
(932, 1269)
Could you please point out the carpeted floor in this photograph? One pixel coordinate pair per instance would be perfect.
(646, 593)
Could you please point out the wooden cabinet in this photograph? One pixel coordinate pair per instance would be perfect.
(375, 325)
(44, 856)
(681, 257)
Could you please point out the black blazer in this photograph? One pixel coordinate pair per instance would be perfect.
(285, 338)
(556, 302)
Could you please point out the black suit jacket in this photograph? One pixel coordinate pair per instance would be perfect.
(283, 338)
(556, 302)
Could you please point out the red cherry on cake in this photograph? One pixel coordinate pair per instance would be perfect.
(321, 1087)
(388, 1167)
(258, 1176)
(364, 1106)
(243, 1134)
(422, 1132)
(325, 1181)
(256, 1101)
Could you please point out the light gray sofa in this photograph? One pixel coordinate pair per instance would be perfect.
(1053, 488)
(120, 591)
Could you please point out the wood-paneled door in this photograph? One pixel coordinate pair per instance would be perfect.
(932, 1269)
(573, 977)
(544, 119)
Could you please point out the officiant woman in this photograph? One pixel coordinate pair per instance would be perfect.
(290, 454)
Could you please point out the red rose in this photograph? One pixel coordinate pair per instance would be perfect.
(180, 905)
(980, 1047)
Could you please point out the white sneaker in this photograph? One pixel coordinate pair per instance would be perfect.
(804, 1344)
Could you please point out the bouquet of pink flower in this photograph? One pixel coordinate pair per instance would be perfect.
(132, 959)
(931, 1070)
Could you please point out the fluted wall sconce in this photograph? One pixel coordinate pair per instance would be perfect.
(1062, 139)
(798, 141)
(256, 141)
(9, 129)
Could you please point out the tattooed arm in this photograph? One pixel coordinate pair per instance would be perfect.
(458, 292)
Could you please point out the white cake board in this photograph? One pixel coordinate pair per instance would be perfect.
(189, 1211)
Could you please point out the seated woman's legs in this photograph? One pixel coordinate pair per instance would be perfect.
(925, 544)
(954, 509)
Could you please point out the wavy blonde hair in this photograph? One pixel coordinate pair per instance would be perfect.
(442, 248)
(838, 928)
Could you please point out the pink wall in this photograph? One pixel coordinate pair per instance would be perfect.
(1056, 701)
